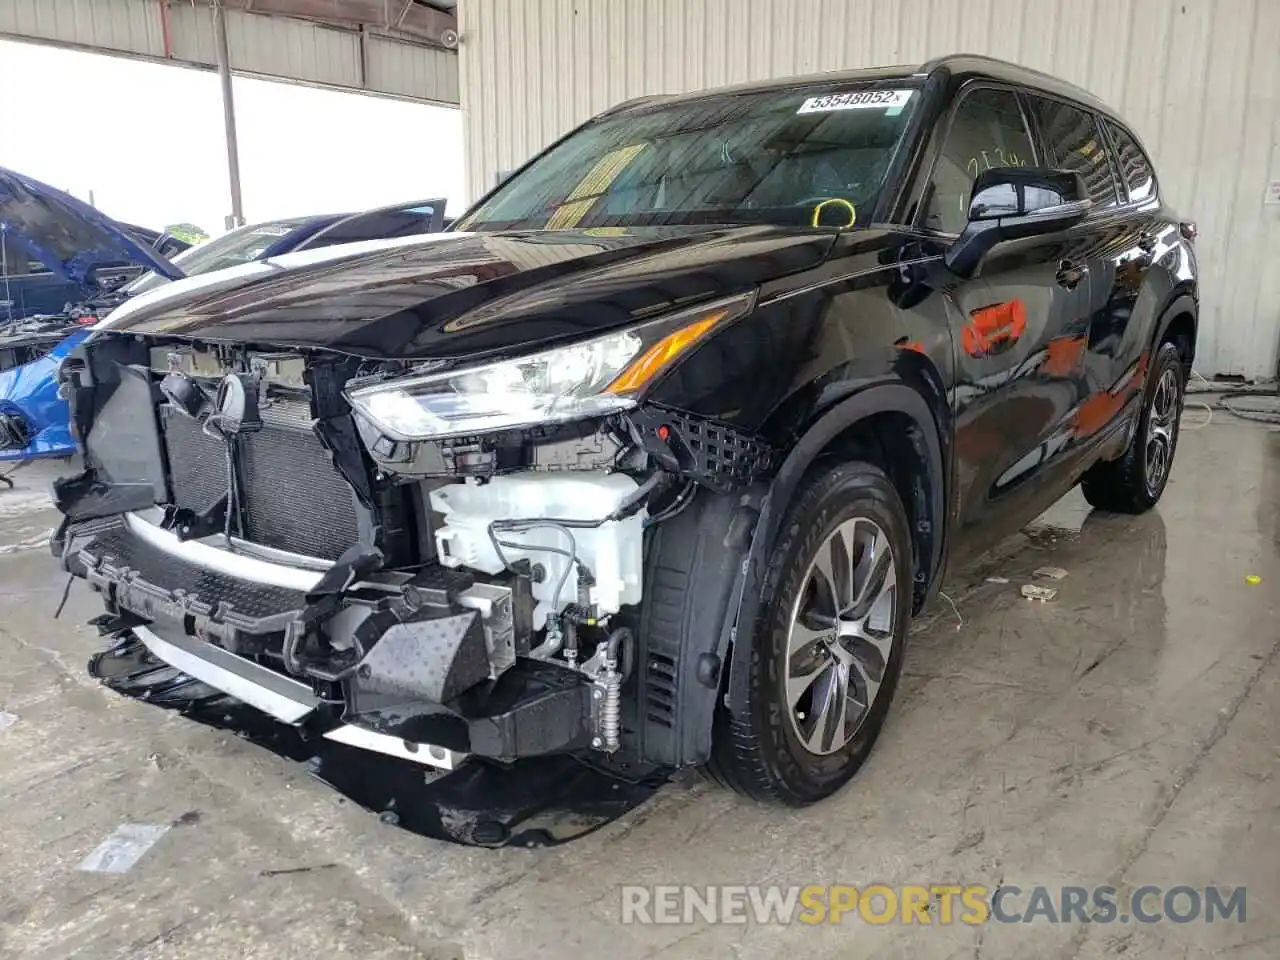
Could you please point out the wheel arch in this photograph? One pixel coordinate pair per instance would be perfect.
(841, 431)
(742, 529)
(1178, 324)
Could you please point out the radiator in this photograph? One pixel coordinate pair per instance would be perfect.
(292, 496)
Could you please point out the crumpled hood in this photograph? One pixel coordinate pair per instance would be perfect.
(69, 237)
(450, 295)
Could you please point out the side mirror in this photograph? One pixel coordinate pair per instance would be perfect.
(1010, 203)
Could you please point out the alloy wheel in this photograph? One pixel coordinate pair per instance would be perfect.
(1162, 427)
(841, 635)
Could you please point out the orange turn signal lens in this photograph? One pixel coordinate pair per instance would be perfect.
(663, 353)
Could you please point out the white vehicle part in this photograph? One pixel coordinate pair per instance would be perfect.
(612, 551)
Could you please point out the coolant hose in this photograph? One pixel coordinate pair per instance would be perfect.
(614, 642)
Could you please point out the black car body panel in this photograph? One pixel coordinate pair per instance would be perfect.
(408, 384)
(457, 295)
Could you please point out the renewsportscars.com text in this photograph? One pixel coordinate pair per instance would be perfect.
(931, 904)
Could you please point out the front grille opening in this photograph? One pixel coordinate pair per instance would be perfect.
(292, 496)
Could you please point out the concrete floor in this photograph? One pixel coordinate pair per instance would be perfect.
(1126, 733)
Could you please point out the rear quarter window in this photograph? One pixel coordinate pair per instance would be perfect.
(1073, 141)
(1135, 169)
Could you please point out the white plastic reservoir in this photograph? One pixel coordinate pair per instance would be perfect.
(612, 551)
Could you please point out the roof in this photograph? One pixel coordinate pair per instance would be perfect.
(959, 64)
(976, 65)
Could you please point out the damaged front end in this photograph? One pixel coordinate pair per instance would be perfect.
(434, 562)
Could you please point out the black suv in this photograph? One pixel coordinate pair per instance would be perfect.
(650, 460)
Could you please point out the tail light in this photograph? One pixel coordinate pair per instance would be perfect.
(1188, 229)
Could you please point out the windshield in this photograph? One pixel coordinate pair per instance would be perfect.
(229, 250)
(769, 157)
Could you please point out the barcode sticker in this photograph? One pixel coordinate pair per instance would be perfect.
(893, 100)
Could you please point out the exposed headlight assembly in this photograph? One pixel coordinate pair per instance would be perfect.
(590, 378)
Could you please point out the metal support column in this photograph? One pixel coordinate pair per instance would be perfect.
(228, 114)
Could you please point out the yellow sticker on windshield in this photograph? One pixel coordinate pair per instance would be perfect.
(837, 202)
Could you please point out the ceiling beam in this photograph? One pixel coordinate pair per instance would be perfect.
(410, 17)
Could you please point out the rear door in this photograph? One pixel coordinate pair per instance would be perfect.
(1072, 137)
(1020, 330)
(1117, 332)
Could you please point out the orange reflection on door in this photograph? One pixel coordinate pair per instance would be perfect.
(1100, 409)
(1063, 356)
(994, 329)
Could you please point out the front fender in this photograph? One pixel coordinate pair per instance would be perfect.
(704, 573)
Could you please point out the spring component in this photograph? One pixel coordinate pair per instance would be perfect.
(611, 708)
(611, 681)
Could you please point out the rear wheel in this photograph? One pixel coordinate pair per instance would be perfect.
(1134, 482)
(827, 648)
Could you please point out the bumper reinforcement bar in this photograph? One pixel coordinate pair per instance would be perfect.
(287, 700)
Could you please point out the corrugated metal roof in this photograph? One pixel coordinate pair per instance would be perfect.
(1199, 80)
(271, 46)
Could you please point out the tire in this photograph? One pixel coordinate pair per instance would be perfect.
(1134, 482)
(767, 750)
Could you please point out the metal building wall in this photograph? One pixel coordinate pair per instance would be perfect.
(268, 46)
(1198, 79)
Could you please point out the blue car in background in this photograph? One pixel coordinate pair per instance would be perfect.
(79, 244)
(30, 288)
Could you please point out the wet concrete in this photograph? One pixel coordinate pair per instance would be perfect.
(1125, 733)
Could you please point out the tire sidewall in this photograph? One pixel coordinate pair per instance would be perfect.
(846, 492)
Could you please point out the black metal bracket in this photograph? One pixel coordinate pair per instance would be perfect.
(713, 454)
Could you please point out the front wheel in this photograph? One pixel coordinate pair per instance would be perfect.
(827, 648)
(1134, 482)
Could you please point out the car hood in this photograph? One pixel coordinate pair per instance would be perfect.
(69, 237)
(460, 294)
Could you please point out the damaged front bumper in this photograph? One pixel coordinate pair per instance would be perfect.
(415, 682)
(538, 801)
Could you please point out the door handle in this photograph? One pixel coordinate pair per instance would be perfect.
(1070, 273)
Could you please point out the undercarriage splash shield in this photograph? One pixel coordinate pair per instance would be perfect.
(539, 801)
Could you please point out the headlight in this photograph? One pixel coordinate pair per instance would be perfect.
(587, 379)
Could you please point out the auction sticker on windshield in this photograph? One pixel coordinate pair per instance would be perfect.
(857, 100)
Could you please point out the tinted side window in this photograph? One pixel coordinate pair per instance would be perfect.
(986, 132)
(15, 263)
(1072, 141)
(1135, 168)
